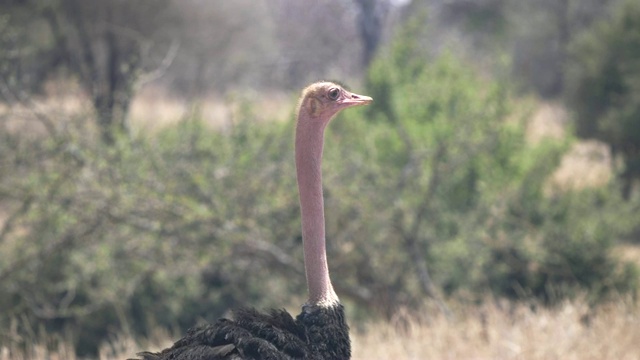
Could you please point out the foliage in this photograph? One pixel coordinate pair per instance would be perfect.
(604, 86)
(107, 238)
(466, 170)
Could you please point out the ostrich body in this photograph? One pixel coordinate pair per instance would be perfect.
(320, 331)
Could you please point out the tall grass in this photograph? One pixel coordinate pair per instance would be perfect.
(505, 331)
(495, 330)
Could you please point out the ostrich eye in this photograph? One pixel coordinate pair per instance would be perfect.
(333, 93)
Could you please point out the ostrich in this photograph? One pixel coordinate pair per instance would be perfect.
(320, 331)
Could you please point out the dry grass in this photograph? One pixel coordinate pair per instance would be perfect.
(587, 164)
(152, 108)
(496, 331)
(628, 252)
(491, 332)
(549, 120)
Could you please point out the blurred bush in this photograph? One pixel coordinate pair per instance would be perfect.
(603, 83)
(101, 239)
(474, 196)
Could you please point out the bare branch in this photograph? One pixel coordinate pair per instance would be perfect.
(164, 65)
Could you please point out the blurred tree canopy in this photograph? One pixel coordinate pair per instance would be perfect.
(107, 45)
(533, 34)
(112, 47)
(604, 87)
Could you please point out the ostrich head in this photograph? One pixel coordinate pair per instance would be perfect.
(323, 100)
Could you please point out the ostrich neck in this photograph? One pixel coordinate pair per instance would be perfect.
(308, 148)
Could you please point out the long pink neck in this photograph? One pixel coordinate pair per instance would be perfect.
(309, 144)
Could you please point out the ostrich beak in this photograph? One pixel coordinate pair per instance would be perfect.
(352, 99)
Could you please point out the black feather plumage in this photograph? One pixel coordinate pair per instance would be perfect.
(317, 333)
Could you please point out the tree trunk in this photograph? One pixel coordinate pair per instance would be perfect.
(372, 14)
(105, 49)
